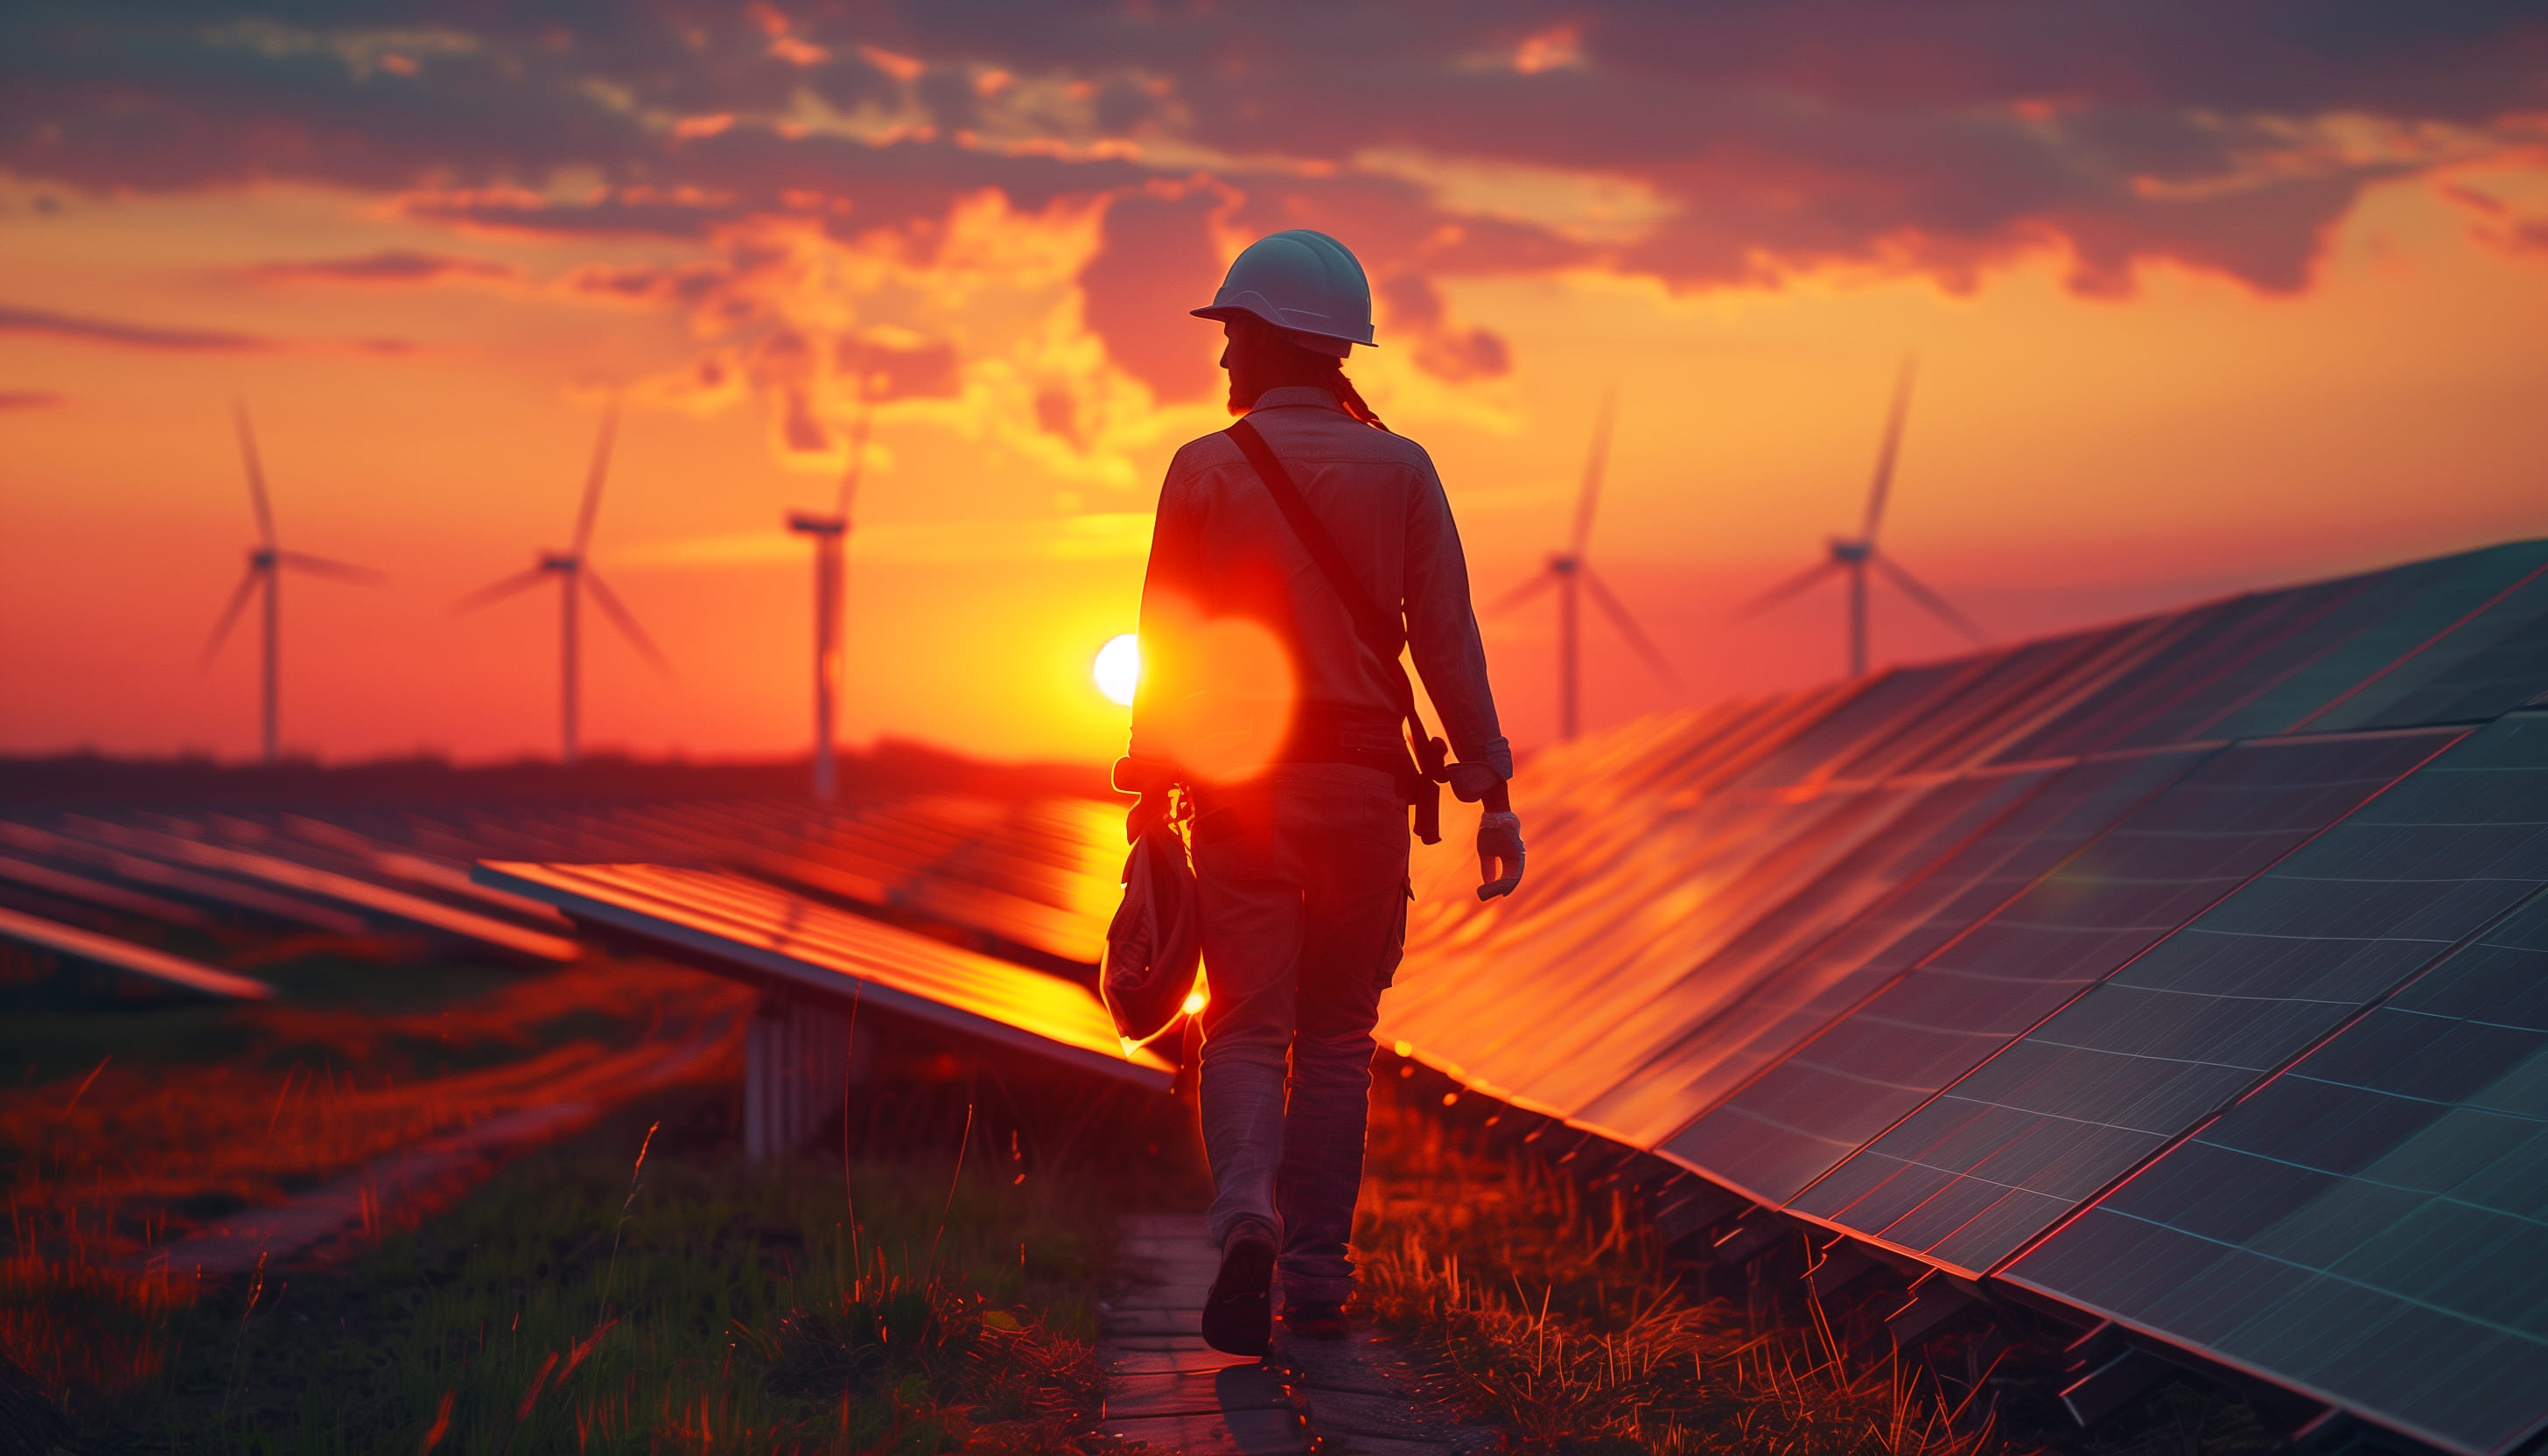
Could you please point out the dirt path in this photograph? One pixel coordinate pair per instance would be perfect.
(1358, 1396)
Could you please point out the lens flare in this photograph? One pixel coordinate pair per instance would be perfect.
(1119, 669)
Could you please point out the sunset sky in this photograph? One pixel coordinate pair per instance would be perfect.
(2203, 298)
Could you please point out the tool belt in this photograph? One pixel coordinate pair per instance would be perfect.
(1336, 733)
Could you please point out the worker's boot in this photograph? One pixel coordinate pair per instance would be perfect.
(1238, 1314)
(1310, 1320)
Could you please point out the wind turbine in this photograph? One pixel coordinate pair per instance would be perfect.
(575, 577)
(1568, 571)
(1855, 554)
(830, 535)
(266, 563)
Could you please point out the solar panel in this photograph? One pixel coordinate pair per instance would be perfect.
(57, 939)
(2367, 1225)
(765, 933)
(2240, 991)
(1875, 708)
(2209, 652)
(1616, 1002)
(1696, 1017)
(2399, 612)
(2489, 665)
(1776, 1116)
(1616, 819)
(57, 851)
(191, 849)
(1620, 887)
(2011, 687)
(2153, 870)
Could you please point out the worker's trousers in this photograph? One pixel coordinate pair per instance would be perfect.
(1303, 881)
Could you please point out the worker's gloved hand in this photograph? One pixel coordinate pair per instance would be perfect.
(1471, 782)
(1498, 853)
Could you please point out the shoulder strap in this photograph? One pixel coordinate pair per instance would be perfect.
(1386, 633)
(1383, 633)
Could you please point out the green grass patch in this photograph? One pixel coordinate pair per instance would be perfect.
(584, 1301)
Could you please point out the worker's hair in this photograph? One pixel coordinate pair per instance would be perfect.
(1346, 394)
(1287, 363)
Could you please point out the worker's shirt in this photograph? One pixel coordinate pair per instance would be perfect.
(1232, 593)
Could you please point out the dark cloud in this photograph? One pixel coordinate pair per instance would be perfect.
(1729, 142)
(1418, 314)
(30, 400)
(169, 338)
(131, 335)
(394, 266)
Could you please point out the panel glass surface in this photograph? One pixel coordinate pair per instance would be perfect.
(2213, 650)
(2368, 1224)
(1718, 1002)
(766, 931)
(2487, 667)
(2158, 868)
(2249, 985)
(2402, 611)
(1992, 706)
(1628, 907)
(1874, 710)
(1792, 1115)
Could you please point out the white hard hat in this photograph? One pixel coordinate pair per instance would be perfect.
(1303, 283)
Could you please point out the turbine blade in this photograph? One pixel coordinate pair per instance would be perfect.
(1796, 584)
(1589, 497)
(613, 609)
(594, 478)
(512, 586)
(1939, 606)
(1521, 594)
(319, 566)
(850, 478)
(1629, 629)
(230, 616)
(1884, 455)
(256, 475)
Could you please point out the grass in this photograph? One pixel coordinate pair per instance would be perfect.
(587, 1300)
(633, 1287)
(1560, 1320)
(1560, 1316)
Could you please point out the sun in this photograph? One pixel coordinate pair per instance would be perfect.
(1119, 669)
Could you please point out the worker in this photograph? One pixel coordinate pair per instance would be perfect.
(1299, 843)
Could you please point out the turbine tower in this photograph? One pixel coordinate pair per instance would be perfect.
(266, 563)
(575, 577)
(830, 533)
(1570, 573)
(1855, 554)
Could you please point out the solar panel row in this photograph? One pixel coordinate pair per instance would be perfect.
(1968, 960)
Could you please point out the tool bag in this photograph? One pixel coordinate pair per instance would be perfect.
(1422, 776)
(1155, 943)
